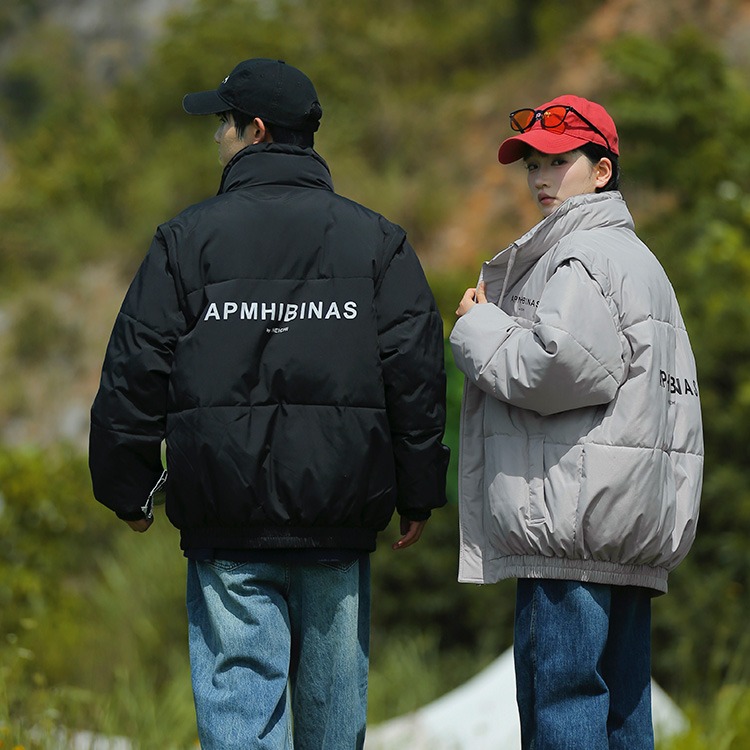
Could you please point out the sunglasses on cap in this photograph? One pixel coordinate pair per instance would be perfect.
(552, 118)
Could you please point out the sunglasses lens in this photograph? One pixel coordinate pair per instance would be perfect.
(522, 119)
(554, 119)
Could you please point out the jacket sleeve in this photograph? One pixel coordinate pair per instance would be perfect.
(410, 332)
(128, 416)
(570, 356)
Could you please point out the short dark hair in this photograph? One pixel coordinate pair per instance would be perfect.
(594, 152)
(301, 138)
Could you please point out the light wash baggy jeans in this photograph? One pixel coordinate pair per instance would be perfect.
(583, 666)
(279, 654)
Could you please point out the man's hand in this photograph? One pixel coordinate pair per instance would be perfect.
(410, 533)
(471, 297)
(141, 525)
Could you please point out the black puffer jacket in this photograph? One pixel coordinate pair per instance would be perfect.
(284, 341)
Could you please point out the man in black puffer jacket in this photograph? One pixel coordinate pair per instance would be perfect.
(284, 342)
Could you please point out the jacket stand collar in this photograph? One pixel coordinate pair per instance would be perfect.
(275, 164)
(580, 212)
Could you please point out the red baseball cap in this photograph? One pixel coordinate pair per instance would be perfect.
(576, 121)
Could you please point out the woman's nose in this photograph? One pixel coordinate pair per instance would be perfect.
(540, 179)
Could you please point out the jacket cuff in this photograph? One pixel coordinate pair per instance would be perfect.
(135, 515)
(415, 515)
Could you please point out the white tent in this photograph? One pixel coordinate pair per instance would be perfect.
(481, 714)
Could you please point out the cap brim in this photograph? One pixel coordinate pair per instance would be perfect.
(544, 141)
(204, 103)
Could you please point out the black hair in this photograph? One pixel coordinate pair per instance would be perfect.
(594, 152)
(301, 138)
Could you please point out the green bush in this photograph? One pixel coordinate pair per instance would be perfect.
(91, 615)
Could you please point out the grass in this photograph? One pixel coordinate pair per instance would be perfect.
(723, 724)
(411, 674)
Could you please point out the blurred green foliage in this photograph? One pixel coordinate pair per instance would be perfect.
(104, 168)
(92, 630)
(41, 335)
(721, 723)
(684, 122)
(16, 14)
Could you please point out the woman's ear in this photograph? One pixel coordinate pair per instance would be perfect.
(603, 172)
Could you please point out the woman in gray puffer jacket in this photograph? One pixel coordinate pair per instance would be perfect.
(581, 440)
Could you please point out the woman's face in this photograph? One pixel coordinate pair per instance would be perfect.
(554, 177)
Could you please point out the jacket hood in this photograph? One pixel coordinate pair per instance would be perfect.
(277, 164)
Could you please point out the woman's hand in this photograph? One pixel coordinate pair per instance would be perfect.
(472, 296)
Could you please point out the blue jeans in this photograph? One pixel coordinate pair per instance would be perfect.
(279, 654)
(583, 666)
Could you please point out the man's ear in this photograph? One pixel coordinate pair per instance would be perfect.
(259, 132)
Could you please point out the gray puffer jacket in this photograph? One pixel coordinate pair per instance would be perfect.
(581, 439)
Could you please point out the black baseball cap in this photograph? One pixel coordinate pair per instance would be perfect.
(269, 89)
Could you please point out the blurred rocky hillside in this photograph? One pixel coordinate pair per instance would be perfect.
(115, 34)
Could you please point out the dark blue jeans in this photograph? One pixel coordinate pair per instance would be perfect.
(583, 666)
